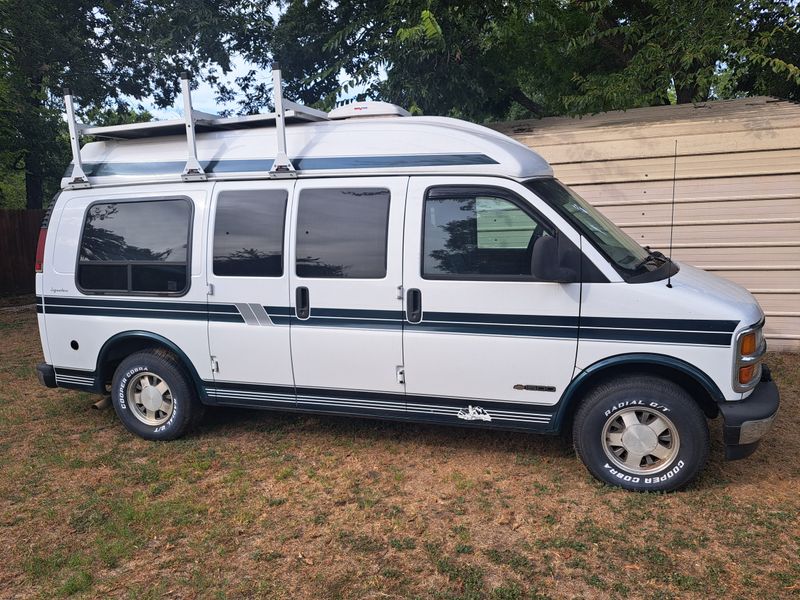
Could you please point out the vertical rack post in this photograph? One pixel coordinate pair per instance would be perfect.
(192, 171)
(78, 178)
(282, 167)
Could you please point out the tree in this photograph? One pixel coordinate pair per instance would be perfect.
(694, 50)
(104, 51)
(493, 59)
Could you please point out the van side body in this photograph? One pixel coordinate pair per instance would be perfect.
(419, 269)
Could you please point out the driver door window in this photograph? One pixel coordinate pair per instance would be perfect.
(477, 236)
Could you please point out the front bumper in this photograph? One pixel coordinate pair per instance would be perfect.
(747, 421)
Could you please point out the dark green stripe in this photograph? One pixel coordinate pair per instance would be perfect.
(110, 169)
(672, 324)
(73, 372)
(348, 323)
(412, 400)
(143, 314)
(139, 304)
(489, 329)
(250, 387)
(356, 313)
(500, 318)
(667, 337)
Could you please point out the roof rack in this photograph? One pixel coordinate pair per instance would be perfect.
(194, 122)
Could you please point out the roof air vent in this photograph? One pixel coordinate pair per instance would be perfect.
(368, 109)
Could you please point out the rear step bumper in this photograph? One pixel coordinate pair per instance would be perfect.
(46, 374)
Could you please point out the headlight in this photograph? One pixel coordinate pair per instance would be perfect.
(749, 350)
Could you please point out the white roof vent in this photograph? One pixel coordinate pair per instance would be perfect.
(368, 109)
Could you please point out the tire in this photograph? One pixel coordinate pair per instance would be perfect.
(165, 411)
(641, 433)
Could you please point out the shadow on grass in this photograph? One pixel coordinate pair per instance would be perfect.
(224, 421)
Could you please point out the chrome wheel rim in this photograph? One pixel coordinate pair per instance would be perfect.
(150, 398)
(640, 440)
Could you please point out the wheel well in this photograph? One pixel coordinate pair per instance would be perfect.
(117, 349)
(699, 393)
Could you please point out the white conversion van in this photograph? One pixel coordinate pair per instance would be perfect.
(372, 264)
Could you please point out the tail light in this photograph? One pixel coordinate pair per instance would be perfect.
(40, 249)
(39, 264)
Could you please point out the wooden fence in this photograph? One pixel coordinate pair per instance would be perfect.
(19, 231)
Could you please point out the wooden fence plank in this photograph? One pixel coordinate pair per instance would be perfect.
(19, 231)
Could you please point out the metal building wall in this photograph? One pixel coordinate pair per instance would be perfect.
(737, 211)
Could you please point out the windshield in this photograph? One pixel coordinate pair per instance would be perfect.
(617, 245)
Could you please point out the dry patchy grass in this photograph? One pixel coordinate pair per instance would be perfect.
(259, 504)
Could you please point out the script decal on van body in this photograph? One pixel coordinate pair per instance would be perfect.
(474, 413)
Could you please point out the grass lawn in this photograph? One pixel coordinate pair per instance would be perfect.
(259, 504)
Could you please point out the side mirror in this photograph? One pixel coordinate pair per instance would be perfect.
(554, 260)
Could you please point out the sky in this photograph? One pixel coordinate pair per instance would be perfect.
(204, 97)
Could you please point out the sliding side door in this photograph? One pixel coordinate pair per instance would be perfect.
(346, 273)
(248, 277)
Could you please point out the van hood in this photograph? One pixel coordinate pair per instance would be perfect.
(704, 295)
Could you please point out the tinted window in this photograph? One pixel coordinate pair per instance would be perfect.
(475, 235)
(103, 277)
(136, 231)
(342, 233)
(248, 233)
(139, 247)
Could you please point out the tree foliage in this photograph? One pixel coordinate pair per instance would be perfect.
(493, 59)
(104, 51)
(477, 60)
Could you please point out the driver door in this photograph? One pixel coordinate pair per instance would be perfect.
(482, 338)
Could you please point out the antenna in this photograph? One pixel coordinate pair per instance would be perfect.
(672, 216)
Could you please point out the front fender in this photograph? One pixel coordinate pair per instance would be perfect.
(583, 380)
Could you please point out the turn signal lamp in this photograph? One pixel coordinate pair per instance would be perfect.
(748, 344)
(746, 374)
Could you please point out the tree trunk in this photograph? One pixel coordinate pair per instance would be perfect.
(522, 99)
(34, 181)
(686, 94)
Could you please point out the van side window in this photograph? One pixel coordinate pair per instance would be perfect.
(472, 234)
(139, 247)
(248, 233)
(342, 233)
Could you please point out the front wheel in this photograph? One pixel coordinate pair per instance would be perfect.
(641, 433)
(153, 396)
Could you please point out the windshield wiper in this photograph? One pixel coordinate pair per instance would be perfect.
(652, 256)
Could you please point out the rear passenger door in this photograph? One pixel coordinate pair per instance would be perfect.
(346, 272)
(248, 277)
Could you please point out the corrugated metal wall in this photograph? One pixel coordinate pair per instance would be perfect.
(737, 211)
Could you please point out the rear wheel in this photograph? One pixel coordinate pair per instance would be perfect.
(641, 433)
(154, 397)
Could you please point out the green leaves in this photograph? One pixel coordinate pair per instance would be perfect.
(427, 30)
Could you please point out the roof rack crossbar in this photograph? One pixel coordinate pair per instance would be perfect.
(311, 113)
(78, 178)
(282, 167)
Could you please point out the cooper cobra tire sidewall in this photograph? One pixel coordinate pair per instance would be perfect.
(659, 396)
(146, 362)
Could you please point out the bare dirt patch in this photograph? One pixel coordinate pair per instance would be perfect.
(259, 504)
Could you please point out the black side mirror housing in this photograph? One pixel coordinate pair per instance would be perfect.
(555, 259)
